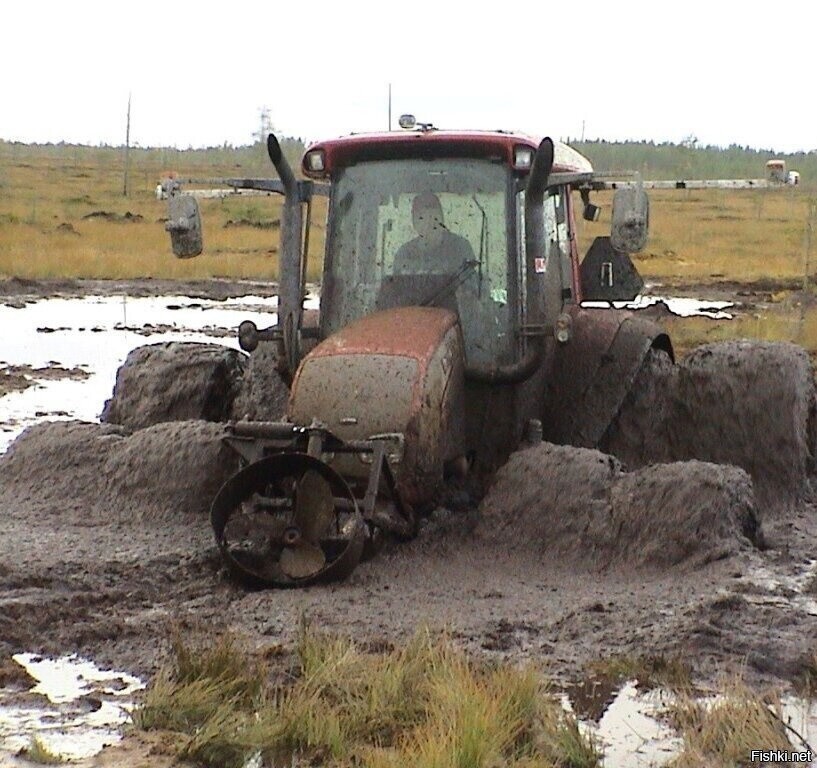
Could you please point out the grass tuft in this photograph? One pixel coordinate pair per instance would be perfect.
(39, 752)
(200, 682)
(426, 704)
(722, 733)
(651, 671)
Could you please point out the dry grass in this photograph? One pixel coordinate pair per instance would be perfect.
(44, 233)
(425, 705)
(39, 752)
(696, 236)
(794, 320)
(719, 235)
(722, 733)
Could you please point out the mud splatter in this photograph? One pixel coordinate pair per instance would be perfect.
(16, 378)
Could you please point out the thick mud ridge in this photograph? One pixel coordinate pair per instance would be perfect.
(179, 381)
(107, 547)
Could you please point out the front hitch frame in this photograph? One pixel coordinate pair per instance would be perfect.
(256, 441)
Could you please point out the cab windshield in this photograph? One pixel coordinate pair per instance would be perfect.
(428, 233)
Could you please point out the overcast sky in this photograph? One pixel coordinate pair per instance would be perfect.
(724, 72)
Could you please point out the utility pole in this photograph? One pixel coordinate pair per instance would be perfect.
(389, 106)
(127, 150)
(264, 128)
(809, 241)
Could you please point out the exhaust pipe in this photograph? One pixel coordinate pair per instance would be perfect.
(516, 373)
(290, 289)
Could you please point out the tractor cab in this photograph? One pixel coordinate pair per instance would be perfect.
(436, 219)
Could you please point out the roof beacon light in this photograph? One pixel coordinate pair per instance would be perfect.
(522, 158)
(407, 122)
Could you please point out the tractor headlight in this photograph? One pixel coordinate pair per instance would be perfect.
(315, 162)
(522, 157)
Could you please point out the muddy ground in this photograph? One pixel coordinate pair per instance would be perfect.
(105, 557)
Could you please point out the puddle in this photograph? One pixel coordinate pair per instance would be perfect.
(624, 722)
(774, 588)
(74, 710)
(95, 333)
(631, 732)
(678, 305)
(629, 726)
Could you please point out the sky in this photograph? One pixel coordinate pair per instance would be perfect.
(198, 74)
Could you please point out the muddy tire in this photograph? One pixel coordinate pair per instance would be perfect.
(578, 507)
(175, 381)
(747, 403)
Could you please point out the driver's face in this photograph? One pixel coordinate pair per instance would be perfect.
(428, 220)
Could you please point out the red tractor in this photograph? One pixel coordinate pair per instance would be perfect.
(450, 332)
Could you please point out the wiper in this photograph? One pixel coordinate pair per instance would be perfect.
(483, 243)
(457, 279)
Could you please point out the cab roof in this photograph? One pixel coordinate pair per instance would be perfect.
(393, 145)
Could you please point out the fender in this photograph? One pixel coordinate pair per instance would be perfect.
(589, 376)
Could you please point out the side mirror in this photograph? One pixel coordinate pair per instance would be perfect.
(631, 220)
(184, 226)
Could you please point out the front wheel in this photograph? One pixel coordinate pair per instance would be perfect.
(288, 520)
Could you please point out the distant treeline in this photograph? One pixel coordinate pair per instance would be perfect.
(246, 160)
(691, 161)
(654, 161)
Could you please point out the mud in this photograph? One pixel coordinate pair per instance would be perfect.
(748, 403)
(254, 223)
(106, 548)
(263, 394)
(11, 381)
(576, 507)
(17, 291)
(87, 474)
(175, 381)
(126, 217)
(16, 378)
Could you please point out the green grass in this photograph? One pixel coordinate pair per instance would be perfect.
(426, 705)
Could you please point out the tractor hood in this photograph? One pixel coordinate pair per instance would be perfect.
(398, 372)
(368, 377)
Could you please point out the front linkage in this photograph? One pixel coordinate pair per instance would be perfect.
(289, 519)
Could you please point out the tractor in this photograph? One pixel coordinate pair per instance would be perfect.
(450, 332)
